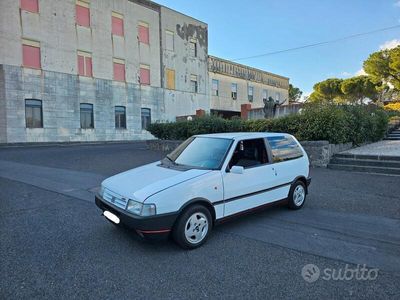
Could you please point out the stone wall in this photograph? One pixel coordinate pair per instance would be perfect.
(319, 152)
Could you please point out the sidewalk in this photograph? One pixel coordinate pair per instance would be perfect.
(381, 148)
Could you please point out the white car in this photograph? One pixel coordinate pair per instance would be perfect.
(206, 180)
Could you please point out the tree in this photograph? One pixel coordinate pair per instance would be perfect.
(328, 90)
(384, 67)
(294, 93)
(356, 89)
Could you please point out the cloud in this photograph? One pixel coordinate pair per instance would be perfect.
(360, 72)
(390, 44)
(397, 3)
(345, 74)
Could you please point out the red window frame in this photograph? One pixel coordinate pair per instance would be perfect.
(31, 56)
(30, 5)
(144, 76)
(117, 26)
(82, 15)
(85, 65)
(144, 34)
(119, 71)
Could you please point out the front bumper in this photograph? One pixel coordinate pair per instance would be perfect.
(158, 224)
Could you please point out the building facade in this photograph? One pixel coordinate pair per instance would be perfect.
(92, 70)
(233, 85)
(102, 70)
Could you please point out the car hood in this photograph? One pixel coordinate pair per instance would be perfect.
(143, 182)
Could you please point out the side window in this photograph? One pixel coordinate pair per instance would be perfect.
(249, 153)
(284, 148)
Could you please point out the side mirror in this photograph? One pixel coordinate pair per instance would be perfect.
(237, 170)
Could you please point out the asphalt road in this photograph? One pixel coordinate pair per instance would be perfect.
(55, 244)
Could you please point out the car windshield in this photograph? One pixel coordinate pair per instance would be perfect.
(201, 152)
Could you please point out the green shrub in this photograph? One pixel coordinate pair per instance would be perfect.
(335, 123)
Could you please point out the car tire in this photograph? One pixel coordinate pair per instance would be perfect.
(193, 227)
(297, 195)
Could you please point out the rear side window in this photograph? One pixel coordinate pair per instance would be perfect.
(284, 148)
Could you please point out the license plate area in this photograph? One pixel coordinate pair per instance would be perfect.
(110, 216)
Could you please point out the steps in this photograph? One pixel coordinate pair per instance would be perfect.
(389, 165)
(393, 136)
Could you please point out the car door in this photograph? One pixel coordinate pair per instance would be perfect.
(257, 184)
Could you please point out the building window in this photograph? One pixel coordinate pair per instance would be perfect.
(31, 54)
(30, 5)
(87, 119)
(33, 113)
(84, 64)
(119, 69)
(250, 93)
(146, 117)
(215, 86)
(120, 117)
(82, 13)
(193, 48)
(169, 40)
(170, 79)
(193, 84)
(143, 30)
(144, 76)
(265, 95)
(278, 97)
(234, 91)
(117, 21)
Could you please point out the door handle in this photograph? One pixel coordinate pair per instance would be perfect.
(274, 170)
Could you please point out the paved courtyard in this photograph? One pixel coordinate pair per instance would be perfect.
(55, 243)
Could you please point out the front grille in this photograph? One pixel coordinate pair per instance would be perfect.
(115, 198)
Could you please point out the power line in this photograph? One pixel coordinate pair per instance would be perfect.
(319, 43)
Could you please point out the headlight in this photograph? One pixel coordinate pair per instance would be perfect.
(141, 209)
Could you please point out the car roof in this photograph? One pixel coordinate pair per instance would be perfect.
(242, 135)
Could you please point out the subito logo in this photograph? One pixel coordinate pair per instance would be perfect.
(310, 273)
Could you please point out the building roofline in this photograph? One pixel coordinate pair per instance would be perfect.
(155, 6)
(248, 67)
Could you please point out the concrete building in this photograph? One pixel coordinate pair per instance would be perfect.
(97, 70)
(235, 87)
(92, 70)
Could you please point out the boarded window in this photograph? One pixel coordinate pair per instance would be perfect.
(144, 75)
(169, 40)
(146, 117)
(250, 93)
(87, 119)
(117, 22)
(215, 87)
(31, 54)
(193, 84)
(143, 29)
(193, 48)
(82, 13)
(284, 148)
(234, 91)
(120, 117)
(119, 69)
(33, 113)
(30, 5)
(170, 79)
(84, 64)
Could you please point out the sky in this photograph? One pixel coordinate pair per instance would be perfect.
(238, 29)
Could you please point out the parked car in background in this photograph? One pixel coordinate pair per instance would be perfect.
(205, 180)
